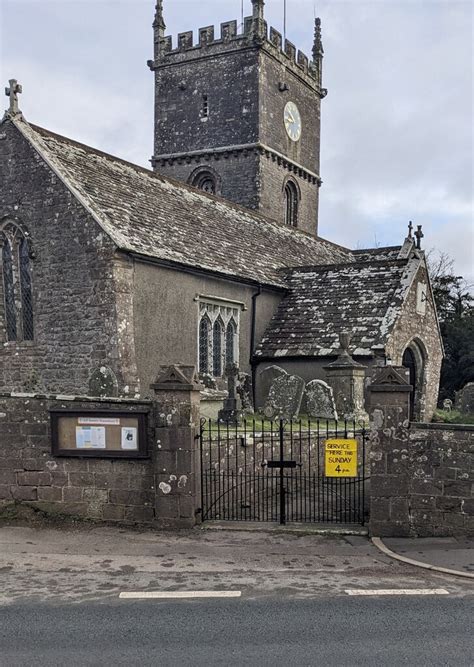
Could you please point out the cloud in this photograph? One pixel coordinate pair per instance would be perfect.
(397, 136)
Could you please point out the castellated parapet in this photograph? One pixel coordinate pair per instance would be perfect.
(208, 44)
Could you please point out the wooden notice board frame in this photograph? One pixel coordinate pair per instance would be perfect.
(98, 434)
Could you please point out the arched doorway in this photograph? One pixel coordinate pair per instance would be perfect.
(414, 360)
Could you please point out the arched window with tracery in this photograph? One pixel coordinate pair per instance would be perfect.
(230, 338)
(17, 283)
(291, 204)
(218, 343)
(204, 344)
(9, 290)
(217, 332)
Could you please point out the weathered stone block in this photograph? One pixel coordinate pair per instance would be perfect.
(426, 487)
(399, 510)
(72, 494)
(50, 493)
(461, 489)
(5, 492)
(81, 479)
(24, 492)
(448, 504)
(139, 514)
(383, 485)
(34, 478)
(113, 513)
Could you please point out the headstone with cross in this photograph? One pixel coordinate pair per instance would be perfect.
(12, 92)
(231, 413)
(419, 235)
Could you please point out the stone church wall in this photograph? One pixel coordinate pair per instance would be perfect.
(73, 285)
(166, 316)
(423, 329)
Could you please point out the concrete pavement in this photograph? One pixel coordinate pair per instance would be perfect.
(95, 563)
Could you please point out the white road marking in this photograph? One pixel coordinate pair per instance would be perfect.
(178, 595)
(397, 591)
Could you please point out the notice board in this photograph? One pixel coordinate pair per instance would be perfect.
(98, 434)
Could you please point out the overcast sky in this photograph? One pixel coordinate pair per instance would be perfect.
(397, 132)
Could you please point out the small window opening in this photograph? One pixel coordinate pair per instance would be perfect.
(291, 204)
(205, 106)
(205, 181)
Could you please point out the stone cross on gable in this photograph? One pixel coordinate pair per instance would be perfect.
(419, 235)
(12, 92)
(410, 230)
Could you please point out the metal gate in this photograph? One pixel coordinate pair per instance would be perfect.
(274, 471)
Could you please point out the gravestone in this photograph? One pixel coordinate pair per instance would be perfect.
(320, 400)
(103, 382)
(244, 390)
(284, 398)
(465, 399)
(231, 413)
(265, 380)
(447, 404)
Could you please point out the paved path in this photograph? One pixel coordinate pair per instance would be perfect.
(97, 564)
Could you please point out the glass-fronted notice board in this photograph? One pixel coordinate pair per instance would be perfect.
(120, 435)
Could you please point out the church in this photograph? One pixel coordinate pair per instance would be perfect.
(212, 256)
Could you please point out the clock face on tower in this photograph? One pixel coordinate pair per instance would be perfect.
(292, 120)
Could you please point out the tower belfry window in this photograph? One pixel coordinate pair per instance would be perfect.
(205, 181)
(291, 204)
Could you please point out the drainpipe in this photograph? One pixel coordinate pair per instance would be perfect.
(253, 326)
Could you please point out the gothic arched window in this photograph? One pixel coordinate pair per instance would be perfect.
(204, 344)
(230, 336)
(291, 204)
(9, 290)
(25, 290)
(218, 342)
(206, 181)
(15, 272)
(217, 331)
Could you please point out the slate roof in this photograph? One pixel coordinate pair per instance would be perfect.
(158, 217)
(364, 298)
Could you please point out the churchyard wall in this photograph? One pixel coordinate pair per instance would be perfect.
(160, 489)
(73, 286)
(422, 475)
(164, 303)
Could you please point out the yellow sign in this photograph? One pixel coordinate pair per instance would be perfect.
(341, 458)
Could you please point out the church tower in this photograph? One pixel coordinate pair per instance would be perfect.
(238, 114)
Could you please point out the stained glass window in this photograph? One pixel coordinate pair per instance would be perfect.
(218, 337)
(9, 291)
(25, 287)
(230, 342)
(204, 329)
(217, 331)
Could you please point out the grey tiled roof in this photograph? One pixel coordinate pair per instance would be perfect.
(364, 298)
(161, 218)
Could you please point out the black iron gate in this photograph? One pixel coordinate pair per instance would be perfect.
(275, 471)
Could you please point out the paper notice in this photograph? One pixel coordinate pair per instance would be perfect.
(90, 437)
(129, 437)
